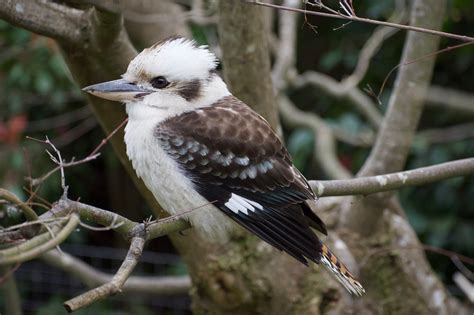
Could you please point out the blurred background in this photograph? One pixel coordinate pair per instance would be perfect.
(39, 98)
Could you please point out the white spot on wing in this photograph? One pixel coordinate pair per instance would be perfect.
(222, 159)
(238, 204)
(177, 141)
(252, 171)
(234, 206)
(244, 161)
(195, 146)
(204, 151)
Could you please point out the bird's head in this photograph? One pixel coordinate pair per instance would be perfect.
(174, 72)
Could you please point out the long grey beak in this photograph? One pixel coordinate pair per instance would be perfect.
(117, 90)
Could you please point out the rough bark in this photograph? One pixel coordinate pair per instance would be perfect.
(105, 56)
(395, 137)
(244, 44)
(245, 275)
(402, 279)
(148, 21)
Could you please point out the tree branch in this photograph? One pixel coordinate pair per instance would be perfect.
(395, 137)
(29, 213)
(375, 184)
(424, 30)
(327, 84)
(398, 129)
(447, 134)
(285, 54)
(39, 244)
(253, 51)
(118, 280)
(70, 25)
(447, 98)
(372, 45)
(136, 232)
(164, 285)
(325, 144)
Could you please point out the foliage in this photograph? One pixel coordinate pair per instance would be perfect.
(35, 84)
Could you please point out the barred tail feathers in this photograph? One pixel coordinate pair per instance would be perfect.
(340, 271)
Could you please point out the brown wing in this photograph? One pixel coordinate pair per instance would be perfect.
(234, 157)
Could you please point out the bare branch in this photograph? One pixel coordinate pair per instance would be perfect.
(428, 56)
(103, 217)
(447, 134)
(465, 285)
(118, 280)
(395, 137)
(109, 136)
(37, 245)
(116, 222)
(165, 285)
(252, 53)
(29, 213)
(325, 146)
(372, 45)
(40, 180)
(450, 99)
(10, 237)
(463, 38)
(70, 25)
(61, 165)
(327, 84)
(374, 184)
(286, 51)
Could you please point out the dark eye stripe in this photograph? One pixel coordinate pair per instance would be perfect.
(190, 90)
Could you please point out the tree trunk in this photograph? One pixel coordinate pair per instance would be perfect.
(246, 275)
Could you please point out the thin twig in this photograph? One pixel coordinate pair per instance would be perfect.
(18, 254)
(409, 62)
(92, 277)
(329, 85)
(117, 282)
(463, 38)
(62, 165)
(325, 145)
(34, 195)
(114, 225)
(29, 213)
(6, 275)
(462, 268)
(465, 285)
(29, 223)
(106, 139)
(371, 46)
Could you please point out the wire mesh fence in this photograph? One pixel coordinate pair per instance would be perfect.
(43, 288)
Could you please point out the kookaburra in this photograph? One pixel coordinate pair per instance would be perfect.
(196, 146)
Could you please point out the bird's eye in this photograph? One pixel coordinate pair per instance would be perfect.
(159, 82)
